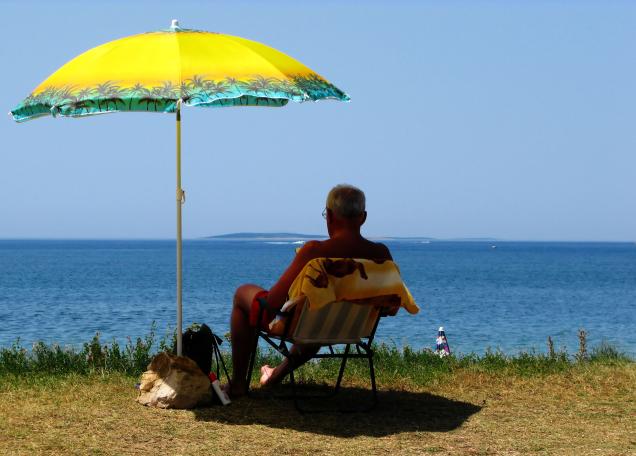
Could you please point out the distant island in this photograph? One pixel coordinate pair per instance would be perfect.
(266, 237)
(290, 237)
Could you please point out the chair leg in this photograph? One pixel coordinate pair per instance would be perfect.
(342, 369)
(373, 385)
(292, 380)
(282, 349)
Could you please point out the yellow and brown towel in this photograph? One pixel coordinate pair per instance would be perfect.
(326, 280)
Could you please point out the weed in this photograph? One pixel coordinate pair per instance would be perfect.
(581, 356)
(550, 347)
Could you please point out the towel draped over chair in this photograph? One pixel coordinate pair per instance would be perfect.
(326, 280)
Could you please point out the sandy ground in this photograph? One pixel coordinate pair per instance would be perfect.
(586, 411)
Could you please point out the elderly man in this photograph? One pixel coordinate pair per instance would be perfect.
(345, 214)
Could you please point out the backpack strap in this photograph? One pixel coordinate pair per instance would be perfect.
(218, 357)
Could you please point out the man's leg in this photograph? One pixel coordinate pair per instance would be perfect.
(300, 355)
(242, 336)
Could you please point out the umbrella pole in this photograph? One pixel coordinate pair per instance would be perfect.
(180, 199)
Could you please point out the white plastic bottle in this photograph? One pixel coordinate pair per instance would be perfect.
(225, 400)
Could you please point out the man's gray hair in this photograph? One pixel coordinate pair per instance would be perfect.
(346, 201)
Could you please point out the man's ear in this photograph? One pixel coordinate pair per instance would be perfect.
(363, 218)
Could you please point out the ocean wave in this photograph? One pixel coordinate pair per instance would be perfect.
(283, 242)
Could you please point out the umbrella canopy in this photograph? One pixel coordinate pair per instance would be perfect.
(152, 71)
(159, 71)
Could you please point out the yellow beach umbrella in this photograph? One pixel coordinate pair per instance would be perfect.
(163, 70)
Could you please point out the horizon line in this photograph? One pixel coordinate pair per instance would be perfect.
(378, 238)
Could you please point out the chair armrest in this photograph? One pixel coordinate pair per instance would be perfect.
(286, 317)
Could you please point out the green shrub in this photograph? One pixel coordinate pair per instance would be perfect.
(393, 364)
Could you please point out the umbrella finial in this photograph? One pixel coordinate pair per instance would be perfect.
(175, 25)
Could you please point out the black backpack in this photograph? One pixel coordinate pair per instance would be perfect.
(200, 344)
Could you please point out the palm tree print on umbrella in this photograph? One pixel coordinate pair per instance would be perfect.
(82, 101)
(260, 86)
(112, 96)
(134, 94)
(107, 93)
(214, 90)
(146, 96)
(192, 89)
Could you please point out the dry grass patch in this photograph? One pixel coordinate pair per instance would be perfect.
(585, 410)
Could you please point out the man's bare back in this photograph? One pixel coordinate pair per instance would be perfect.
(341, 245)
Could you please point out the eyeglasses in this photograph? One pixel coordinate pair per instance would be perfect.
(324, 213)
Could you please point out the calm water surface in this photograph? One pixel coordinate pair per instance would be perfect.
(511, 297)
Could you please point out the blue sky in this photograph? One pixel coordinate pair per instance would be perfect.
(503, 119)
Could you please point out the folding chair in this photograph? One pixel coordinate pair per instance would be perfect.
(351, 324)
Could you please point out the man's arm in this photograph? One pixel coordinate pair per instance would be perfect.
(278, 293)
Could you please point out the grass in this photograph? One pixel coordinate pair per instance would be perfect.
(62, 401)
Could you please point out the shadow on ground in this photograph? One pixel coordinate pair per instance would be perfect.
(397, 411)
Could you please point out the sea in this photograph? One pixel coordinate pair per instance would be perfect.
(491, 295)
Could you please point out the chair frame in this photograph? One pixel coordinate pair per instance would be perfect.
(363, 350)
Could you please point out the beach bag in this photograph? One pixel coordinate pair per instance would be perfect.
(175, 382)
(185, 382)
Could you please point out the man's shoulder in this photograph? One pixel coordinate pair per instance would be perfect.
(326, 248)
(382, 251)
(312, 249)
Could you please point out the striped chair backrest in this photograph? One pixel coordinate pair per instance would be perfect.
(340, 322)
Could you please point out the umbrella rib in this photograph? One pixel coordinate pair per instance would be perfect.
(269, 62)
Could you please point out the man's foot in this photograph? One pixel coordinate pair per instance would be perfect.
(235, 391)
(266, 375)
